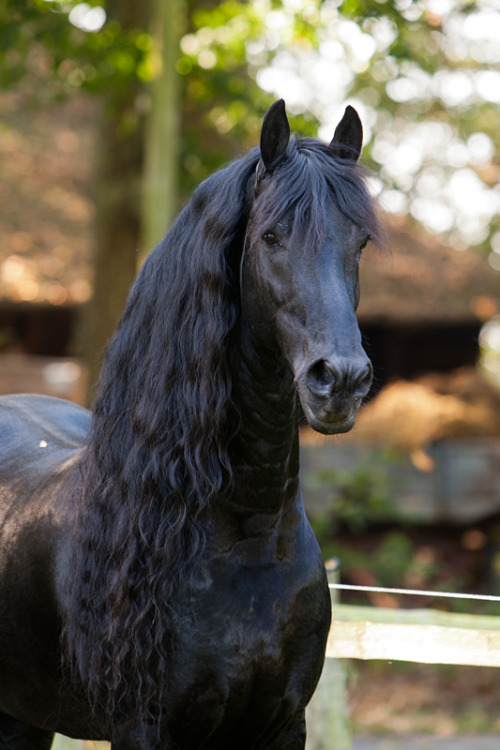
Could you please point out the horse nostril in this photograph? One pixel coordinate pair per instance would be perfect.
(323, 377)
(364, 381)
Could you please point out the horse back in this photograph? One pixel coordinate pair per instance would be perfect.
(37, 432)
(40, 441)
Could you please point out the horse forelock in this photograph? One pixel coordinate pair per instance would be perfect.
(306, 184)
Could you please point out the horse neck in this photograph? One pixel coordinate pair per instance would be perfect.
(265, 449)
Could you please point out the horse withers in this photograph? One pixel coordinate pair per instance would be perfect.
(160, 585)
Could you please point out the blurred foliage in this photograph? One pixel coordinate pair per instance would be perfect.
(44, 57)
(355, 502)
(39, 44)
(432, 57)
(396, 557)
(418, 45)
(432, 126)
(222, 101)
(399, 61)
(405, 63)
(358, 497)
(376, 545)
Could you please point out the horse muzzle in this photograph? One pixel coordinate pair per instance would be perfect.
(331, 392)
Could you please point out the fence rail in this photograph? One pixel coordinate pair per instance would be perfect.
(426, 636)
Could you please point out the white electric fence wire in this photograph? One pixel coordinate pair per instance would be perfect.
(413, 592)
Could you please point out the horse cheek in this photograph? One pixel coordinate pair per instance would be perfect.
(262, 294)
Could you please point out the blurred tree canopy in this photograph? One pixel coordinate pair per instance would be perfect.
(420, 70)
(424, 74)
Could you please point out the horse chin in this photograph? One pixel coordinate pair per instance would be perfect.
(328, 423)
(331, 427)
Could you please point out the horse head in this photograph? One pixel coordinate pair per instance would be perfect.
(309, 217)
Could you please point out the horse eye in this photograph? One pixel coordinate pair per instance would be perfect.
(270, 239)
(365, 243)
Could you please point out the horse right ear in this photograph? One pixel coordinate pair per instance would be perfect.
(274, 136)
(348, 139)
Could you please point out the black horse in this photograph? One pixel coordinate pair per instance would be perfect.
(160, 586)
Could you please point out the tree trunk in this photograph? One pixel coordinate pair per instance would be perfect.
(130, 150)
(131, 215)
(117, 223)
(162, 147)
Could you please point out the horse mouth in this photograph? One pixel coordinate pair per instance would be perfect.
(330, 418)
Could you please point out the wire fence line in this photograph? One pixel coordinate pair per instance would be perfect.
(413, 592)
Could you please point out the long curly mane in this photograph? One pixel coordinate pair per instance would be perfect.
(159, 448)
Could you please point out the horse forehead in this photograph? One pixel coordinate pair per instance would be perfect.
(336, 223)
(329, 234)
(319, 209)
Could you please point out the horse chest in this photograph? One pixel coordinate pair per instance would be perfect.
(244, 656)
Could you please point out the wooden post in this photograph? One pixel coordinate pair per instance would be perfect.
(327, 713)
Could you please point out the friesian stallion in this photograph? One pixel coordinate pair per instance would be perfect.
(160, 585)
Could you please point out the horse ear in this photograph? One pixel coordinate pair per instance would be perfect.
(348, 139)
(275, 135)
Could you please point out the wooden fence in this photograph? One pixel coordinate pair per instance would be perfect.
(415, 635)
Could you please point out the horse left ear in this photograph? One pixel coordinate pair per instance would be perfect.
(348, 139)
(275, 135)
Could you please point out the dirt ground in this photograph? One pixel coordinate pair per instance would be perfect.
(472, 742)
(443, 702)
